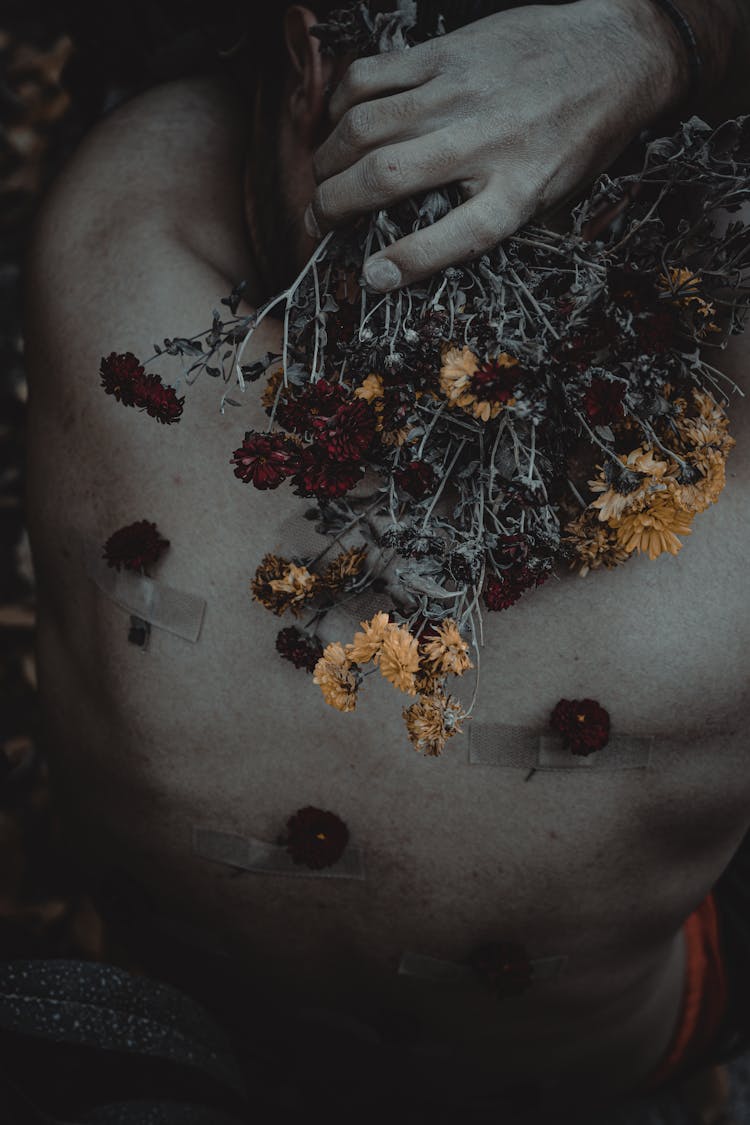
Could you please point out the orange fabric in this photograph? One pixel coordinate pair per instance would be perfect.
(706, 994)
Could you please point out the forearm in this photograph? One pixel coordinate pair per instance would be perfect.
(722, 31)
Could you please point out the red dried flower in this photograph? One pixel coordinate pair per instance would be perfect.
(494, 382)
(417, 478)
(630, 288)
(324, 479)
(657, 331)
(301, 649)
(603, 402)
(504, 591)
(119, 374)
(315, 837)
(159, 400)
(583, 724)
(135, 547)
(265, 460)
(297, 412)
(504, 967)
(348, 433)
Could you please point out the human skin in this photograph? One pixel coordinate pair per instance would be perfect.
(600, 867)
(520, 109)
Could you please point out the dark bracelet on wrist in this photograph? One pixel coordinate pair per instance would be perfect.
(684, 29)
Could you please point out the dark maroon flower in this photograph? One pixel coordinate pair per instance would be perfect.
(265, 460)
(135, 547)
(504, 591)
(348, 433)
(417, 478)
(159, 400)
(656, 332)
(119, 374)
(504, 967)
(324, 479)
(301, 649)
(297, 412)
(603, 402)
(495, 383)
(315, 837)
(583, 724)
(631, 288)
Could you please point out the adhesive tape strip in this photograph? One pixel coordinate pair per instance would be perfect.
(163, 606)
(509, 747)
(434, 969)
(269, 859)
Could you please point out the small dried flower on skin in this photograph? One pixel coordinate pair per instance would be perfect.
(654, 529)
(300, 649)
(431, 721)
(135, 547)
(159, 400)
(124, 377)
(343, 568)
(119, 374)
(280, 585)
(399, 659)
(297, 585)
(583, 723)
(316, 838)
(367, 645)
(337, 678)
(447, 651)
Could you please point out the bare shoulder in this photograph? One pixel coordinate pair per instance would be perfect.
(140, 237)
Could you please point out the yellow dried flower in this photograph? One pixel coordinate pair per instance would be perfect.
(455, 375)
(371, 388)
(612, 503)
(268, 397)
(336, 678)
(447, 651)
(367, 645)
(696, 497)
(655, 528)
(594, 543)
(431, 721)
(272, 569)
(297, 585)
(345, 566)
(399, 659)
(685, 287)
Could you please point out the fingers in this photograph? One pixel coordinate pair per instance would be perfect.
(372, 124)
(378, 75)
(464, 233)
(385, 176)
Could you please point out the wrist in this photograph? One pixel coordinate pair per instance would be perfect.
(651, 53)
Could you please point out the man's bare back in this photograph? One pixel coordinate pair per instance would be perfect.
(141, 237)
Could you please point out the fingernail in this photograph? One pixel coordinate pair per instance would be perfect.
(311, 223)
(381, 274)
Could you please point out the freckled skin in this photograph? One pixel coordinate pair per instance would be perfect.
(222, 734)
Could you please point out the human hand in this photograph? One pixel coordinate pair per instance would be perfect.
(520, 109)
